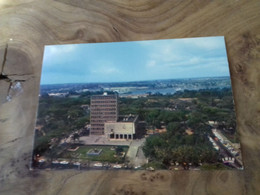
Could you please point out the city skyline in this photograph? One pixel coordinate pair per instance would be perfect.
(135, 61)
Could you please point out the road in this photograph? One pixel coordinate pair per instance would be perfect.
(135, 153)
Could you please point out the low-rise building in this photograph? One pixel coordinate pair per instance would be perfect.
(124, 128)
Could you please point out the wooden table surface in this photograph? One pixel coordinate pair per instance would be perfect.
(27, 25)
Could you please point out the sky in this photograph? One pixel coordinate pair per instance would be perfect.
(135, 61)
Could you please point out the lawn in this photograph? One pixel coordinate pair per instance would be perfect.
(107, 154)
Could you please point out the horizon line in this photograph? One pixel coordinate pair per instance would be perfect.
(136, 80)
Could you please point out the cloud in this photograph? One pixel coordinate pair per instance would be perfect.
(104, 67)
(185, 52)
(206, 43)
(144, 60)
(55, 53)
(111, 70)
(103, 70)
(151, 63)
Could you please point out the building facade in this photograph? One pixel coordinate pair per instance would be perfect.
(103, 108)
(123, 129)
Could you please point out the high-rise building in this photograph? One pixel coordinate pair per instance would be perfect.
(103, 108)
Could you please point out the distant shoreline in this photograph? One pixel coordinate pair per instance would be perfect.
(140, 81)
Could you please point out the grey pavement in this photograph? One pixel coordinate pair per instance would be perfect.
(135, 154)
(102, 140)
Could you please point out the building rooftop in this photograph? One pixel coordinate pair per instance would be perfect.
(127, 118)
(104, 96)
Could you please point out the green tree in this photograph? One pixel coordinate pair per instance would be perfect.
(75, 137)
(174, 128)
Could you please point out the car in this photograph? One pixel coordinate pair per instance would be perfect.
(117, 166)
(98, 165)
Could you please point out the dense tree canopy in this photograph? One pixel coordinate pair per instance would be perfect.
(60, 116)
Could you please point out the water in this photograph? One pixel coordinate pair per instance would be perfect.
(163, 91)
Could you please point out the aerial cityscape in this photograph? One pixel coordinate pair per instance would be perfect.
(166, 111)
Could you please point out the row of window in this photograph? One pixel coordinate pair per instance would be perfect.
(103, 117)
(93, 119)
(97, 129)
(104, 109)
(104, 102)
(98, 124)
(97, 121)
(103, 105)
(101, 121)
(102, 113)
(103, 97)
(112, 108)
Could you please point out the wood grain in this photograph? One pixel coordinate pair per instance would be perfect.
(27, 25)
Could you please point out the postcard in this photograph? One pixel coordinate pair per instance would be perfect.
(142, 105)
